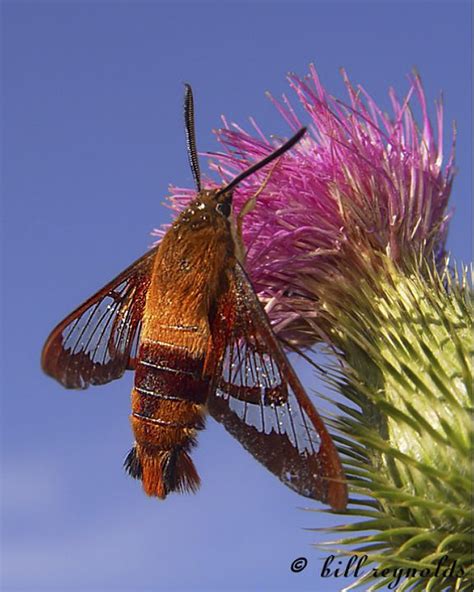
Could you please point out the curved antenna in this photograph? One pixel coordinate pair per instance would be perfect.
(261, 163)
(190, 135)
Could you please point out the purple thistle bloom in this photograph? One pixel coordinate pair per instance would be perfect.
(358, 185)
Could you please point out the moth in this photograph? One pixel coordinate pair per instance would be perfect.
(185, 318)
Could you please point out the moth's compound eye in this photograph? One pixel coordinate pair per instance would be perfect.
(224, 209)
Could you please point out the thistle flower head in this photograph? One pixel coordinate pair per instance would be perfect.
(361, 183)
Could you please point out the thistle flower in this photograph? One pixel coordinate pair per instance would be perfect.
(346, 246)
(358, 184)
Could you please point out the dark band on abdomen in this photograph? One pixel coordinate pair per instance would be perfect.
(170, 374)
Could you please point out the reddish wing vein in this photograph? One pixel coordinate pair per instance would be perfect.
(261, 402)
(97, 342)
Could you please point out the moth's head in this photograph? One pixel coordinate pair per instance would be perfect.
(210, 208)
(217, 201)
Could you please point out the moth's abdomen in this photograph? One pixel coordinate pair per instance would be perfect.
(168, 407)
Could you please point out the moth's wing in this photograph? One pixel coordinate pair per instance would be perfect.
(258, 398)
(98, 341)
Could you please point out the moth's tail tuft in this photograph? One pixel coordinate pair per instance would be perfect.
(132, 464)
(162, 471)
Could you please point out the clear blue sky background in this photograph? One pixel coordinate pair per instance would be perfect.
(92, 137)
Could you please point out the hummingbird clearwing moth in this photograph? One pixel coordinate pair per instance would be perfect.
(185, 318)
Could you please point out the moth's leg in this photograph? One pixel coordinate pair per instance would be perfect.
(248, 206)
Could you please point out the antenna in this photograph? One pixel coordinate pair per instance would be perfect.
(258, 165)
(191, 135)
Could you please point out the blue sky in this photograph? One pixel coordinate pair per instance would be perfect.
(92, 136)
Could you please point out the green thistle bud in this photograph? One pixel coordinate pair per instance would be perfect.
(407, 348)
